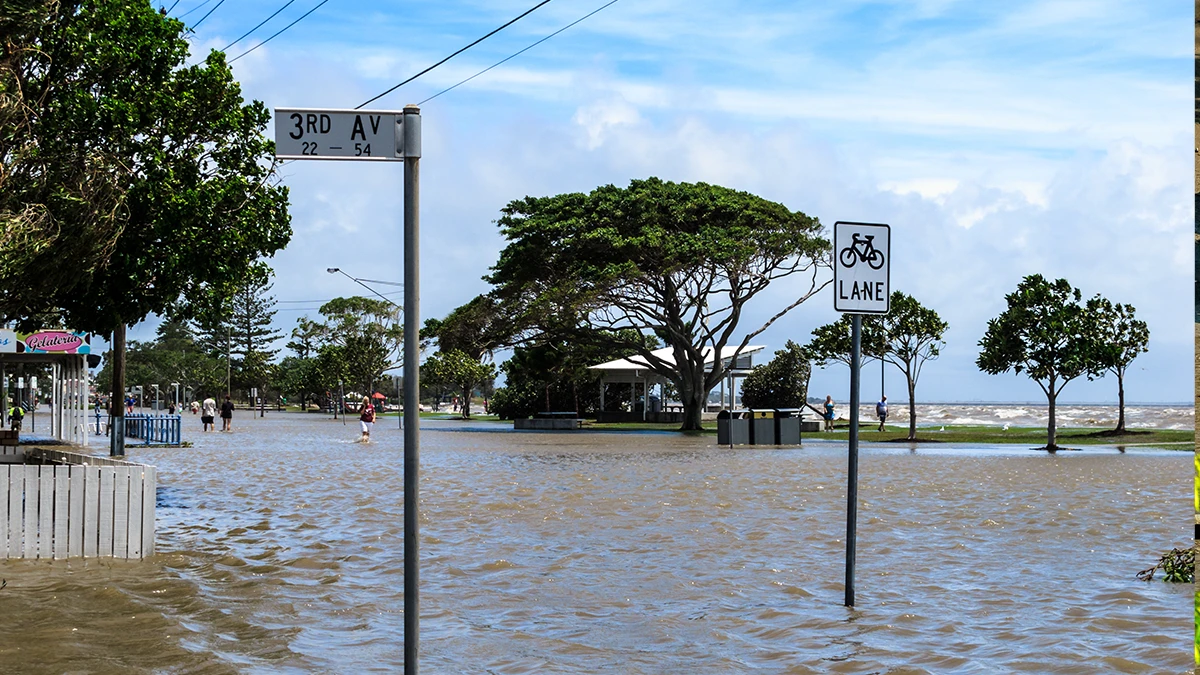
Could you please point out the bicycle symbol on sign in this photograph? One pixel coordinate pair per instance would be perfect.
(861, 249)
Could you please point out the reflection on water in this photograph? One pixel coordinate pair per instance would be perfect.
(281, 550)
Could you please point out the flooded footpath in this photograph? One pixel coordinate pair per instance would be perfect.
(280, 550)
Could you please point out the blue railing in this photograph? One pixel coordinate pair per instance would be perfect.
(151, 429)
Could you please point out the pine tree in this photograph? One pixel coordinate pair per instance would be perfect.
(251, 318)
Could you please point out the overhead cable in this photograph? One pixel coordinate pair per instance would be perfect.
(280, 31)
(193, 26)
(194, 8)
(247, 34)
(612, 2)
(518, 18)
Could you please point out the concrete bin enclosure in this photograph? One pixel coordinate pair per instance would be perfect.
(68, 505)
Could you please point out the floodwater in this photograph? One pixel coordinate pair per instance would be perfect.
(1161, 416)
(281, 551)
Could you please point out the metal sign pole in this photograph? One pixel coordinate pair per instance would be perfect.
(378, 135)
(411, 127)
(852, 479)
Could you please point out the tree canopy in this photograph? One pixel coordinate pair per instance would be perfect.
(911, 335)
(457, 369)
(1121, 339)
(151, 176)
(369, 334)
(1045, 333)
(677, 261)
(782, 382)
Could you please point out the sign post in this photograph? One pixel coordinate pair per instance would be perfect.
(861, 285)
(359, 135)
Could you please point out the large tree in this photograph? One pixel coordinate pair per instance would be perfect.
(834, 341)
(1046, 333)
(160, 168)
(1121, 338)
(151, 176)
(458, 370)
(678, 261)
(241, 329)
(477, 329)
(911, 335)
(368, 334)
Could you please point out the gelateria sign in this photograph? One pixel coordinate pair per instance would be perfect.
(45, 342)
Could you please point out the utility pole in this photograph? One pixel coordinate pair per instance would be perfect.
(116, 415)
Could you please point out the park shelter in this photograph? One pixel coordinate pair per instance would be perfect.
(66, 352)
(635, 370)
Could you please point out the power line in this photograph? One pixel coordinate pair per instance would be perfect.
(612, 2)
(168, 10)
(258, 26)
(518, 18)
(305, 302)
(193, 27)
(280, 31)
(194, 8)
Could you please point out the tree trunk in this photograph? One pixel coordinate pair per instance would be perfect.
(1051, 436)
(466, 402)
(116, 420)
(692, 395)
(912, 409)
(1120, 401)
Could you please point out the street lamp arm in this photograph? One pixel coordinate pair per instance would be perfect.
(358, 281)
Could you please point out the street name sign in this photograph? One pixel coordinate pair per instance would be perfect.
(307, 133)
(862, 262)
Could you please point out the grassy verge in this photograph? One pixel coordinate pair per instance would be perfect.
(1031, 436)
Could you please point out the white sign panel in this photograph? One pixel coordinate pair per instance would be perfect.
(862, 260)
(303, 133)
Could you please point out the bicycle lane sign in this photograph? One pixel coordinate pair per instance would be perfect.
(862, 261)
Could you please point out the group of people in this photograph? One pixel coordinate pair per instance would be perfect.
(208, 413)
(881, 411)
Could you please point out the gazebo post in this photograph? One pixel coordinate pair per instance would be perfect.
(645, 398)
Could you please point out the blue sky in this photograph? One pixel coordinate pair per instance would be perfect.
(997, 139)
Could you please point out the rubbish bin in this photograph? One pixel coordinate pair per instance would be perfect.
(787, 425)
(733, 427)
(762, 427)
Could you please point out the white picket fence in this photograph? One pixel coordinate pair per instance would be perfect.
(69, 505)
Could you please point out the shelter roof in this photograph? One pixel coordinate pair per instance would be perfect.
(667, 354)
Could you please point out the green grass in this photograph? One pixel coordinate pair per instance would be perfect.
(1032, 436)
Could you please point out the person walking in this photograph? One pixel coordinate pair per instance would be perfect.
(15, 416)
(227, 414)
(208, 410)
(366, 419)
(881, 410)
(828, 413)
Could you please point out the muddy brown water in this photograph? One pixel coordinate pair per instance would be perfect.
(281, 551)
